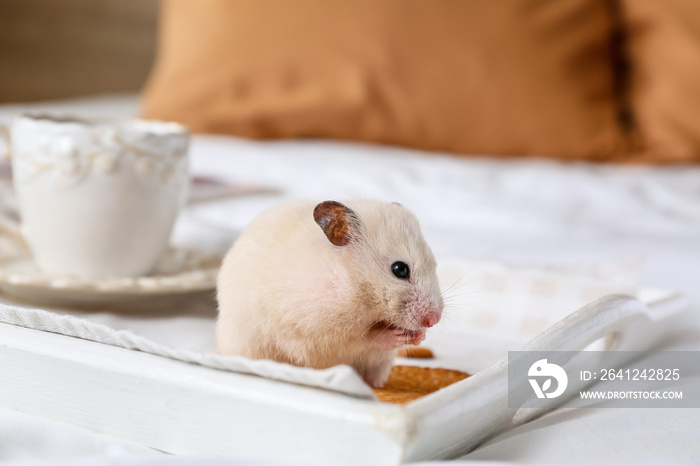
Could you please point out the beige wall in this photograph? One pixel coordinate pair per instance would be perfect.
(52, 49)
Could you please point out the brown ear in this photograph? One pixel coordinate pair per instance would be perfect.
(338, 222)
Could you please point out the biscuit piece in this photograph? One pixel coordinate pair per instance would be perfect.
(408, 383)
(399, 397)
(417, 352)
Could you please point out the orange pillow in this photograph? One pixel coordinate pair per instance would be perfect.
(509, 77)
(663, 43)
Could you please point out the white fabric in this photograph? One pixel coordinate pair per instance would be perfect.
(340, 378)
(518, 211)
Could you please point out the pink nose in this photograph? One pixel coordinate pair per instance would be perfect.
(431, 318)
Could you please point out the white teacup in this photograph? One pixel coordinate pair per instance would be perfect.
(98, 199)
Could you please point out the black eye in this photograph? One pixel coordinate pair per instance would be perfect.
(401, 270)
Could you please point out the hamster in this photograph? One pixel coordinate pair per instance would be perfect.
(318, 285)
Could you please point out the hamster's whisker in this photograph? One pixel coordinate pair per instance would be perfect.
(474, 297)
(449, 288)
(360, 337)
(459, 292)
(469, 307)
(448, 319)
(458, 284)
(383, 330)
(347, 331)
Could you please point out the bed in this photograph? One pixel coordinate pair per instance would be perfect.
(510, 210)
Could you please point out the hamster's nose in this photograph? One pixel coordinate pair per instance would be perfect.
(431, 318)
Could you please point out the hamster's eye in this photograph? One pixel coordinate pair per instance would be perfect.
(401, 270)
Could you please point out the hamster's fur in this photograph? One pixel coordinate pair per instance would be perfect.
(314, 285)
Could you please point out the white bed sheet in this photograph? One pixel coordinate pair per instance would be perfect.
(511, 210)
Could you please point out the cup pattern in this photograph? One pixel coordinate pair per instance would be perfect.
(70, 158)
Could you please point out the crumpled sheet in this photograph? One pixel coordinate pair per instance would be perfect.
(340, 378)
(514, 211)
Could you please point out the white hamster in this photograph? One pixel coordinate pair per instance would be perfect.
(318, 285)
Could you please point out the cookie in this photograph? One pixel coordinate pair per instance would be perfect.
(408, 383)
(399, 397)
(416, 352)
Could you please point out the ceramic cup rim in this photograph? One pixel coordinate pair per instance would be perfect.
(43, 120)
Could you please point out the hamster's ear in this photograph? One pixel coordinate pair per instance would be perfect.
(338, 222)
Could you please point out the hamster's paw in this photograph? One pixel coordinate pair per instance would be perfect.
(377, 375)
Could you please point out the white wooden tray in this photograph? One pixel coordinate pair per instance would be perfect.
(186, 408)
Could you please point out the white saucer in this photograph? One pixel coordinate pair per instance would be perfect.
(179, 274)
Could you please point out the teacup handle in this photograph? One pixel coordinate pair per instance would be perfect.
(4, 142)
